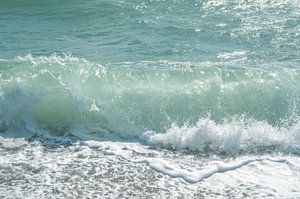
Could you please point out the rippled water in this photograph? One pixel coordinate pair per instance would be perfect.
(150, 99)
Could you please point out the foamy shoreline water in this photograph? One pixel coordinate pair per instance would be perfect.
(121, 169)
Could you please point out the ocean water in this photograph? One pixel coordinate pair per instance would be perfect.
(150, 99)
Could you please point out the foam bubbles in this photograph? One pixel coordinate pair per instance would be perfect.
(122, 168)
(229, 138)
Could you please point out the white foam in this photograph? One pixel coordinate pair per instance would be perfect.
(52, 59)
(229, 137)
(115, 166)
(137, 153)
(193, 175)
(234, 54)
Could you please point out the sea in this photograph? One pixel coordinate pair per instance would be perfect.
(149, 99)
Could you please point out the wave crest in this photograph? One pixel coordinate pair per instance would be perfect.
(229, 138)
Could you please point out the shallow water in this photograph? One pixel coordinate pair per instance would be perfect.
(165, 99)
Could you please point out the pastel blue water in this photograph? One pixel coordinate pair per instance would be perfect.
(151, 30)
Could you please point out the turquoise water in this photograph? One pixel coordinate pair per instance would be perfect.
(153, 30)
(203, 78)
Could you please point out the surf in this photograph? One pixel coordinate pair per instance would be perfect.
(197, 106)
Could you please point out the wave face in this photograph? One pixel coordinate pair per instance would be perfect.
(203, 106)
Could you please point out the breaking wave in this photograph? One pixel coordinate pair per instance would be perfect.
(221, 107)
